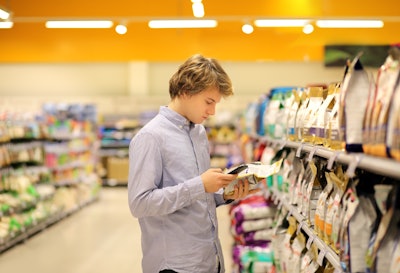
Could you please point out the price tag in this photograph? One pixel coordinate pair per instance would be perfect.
(280, 205)
(298, 152)
(312, 152)
(310, 241)
(300, 226)
(332, 160)
(351, 170)
(282, 145)
(321, 256)
(289, 213)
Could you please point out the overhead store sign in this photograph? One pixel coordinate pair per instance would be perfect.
(372, 55)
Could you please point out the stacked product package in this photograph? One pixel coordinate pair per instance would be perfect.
(251, 226)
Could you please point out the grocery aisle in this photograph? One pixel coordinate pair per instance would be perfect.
(102, 237)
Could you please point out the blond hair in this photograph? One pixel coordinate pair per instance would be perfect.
(197, 74)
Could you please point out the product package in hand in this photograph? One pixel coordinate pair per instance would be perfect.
(253, 172)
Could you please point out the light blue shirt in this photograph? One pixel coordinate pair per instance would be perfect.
(176, 216)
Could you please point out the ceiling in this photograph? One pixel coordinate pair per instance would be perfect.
(30, 41)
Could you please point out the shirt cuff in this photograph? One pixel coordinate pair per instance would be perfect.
(196, 188)
(219, 198)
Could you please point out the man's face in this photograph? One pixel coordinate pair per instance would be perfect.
(199, 107)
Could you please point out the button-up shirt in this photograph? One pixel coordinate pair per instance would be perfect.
(176, 216)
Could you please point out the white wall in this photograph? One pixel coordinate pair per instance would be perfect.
(114, 88)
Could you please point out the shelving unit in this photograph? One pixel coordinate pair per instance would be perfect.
(325, 250)
(377, 165)
(224, 149)
(47, 169)
(381, 166)
(115, 133)
(38, 227)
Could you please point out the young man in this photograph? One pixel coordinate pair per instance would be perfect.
(172, 189)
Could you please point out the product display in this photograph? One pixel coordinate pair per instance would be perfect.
(251, 228)
(47, 166)
(253, 172)
(337, 210)
(115, 133)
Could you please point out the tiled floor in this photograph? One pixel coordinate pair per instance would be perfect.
(101, 238)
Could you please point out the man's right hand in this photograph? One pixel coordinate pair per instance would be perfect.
(214, 179)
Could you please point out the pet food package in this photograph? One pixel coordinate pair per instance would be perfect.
(393, 130)
(299, 123)
(298, 246)
(312, 192)
(292, 114)
(331, 133)
(382, 244)
(360, 229)
(350, 204)
(333, 214)
(274, 122)
(252, 259)
(310, 132)
(395, 264)
(388, 76)
(254, 174)
(353, 101)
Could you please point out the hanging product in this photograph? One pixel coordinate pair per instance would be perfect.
(353, 101)
(292, 114)
(387, 80)
(331, 135)
(393, 123)
(310, 132)
(299, 123)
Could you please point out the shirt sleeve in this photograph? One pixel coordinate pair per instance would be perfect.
(146, 196)
(219, 198)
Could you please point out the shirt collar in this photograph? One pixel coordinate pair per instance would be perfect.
(175, 117)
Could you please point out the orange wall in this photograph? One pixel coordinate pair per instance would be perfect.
(30, 41)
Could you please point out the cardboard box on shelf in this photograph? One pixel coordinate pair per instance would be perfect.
(117, 170)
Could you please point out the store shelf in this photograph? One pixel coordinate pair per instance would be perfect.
(325, 251)
(378, 165)
(27, 233)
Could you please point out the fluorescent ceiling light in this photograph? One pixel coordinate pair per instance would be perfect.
(79, 24)
(349, 23)
(281, 22)
(182, 23)
(6, 24)
(4, 14)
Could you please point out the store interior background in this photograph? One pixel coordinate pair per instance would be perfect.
(127, 74)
